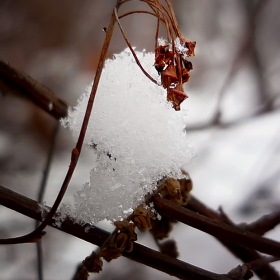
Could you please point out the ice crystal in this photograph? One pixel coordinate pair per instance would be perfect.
(138, 137)
(44, 209)
(180, 48)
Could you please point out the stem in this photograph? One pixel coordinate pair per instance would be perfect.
(39, 248)
(132, 51)
(19, 83)
(37, 234)
(97, 236)
(220, 230)
(244, 254)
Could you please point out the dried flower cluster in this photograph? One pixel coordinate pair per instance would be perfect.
(174, 69)
(177, 191)
(122, 238)
(170, 55)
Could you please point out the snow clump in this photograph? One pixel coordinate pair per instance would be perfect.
(137, 135)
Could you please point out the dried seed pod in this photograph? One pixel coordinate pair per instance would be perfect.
(120, 240)
(160, 61)
(162, 188)
(122, 225)
(82, 275)
(127, 227)
(110, 253)
(176, 96)
(161, 228)
(185, 75)
(173, 188)
(187, 64)
(159, 66)
(142, 218)
(169, 248)
(190, 45)
(169, 76)
(185, 187)
(123, 242)
(93, 263)
(128, 247)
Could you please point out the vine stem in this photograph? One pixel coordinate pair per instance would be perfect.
(37, 234)
(132, 50)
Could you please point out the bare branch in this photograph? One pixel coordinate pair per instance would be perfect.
(264, 224)
(217, 229)
(37, 234)
(97, 236)
(244, 254)
(19, 83)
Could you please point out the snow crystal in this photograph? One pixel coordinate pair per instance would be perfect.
(44, 209)
(138, 137)
(180, 47)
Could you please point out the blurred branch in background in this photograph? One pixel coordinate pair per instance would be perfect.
(19, 83)
(249, 53)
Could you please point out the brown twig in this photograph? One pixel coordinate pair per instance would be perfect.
(43, 184)
(244, 271)
(37, 234)
(132, 50)
(19, 83)
(244, 254)
(217, 229)
(140, 253)
(263, 224)
(97, 236)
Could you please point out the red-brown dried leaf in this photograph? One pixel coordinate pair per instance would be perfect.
(169, 76)
(185, 75)
(187, 64)
(191, 46)
(176, 96)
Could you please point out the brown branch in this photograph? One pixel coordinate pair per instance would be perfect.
(132, 50)
(97, 236)
(244, 254)
(37, 234)
(216, 228)
(263, 224)
(19, 83)
(244, 271)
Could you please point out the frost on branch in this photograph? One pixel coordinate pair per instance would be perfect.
(137, 135)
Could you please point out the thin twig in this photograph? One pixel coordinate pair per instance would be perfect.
(40, 198)
(17, 82)
(217, 229)
(242, 271)
(131, 49)
(263, 224)
(37, 234)
(97, 236)
(244, 254)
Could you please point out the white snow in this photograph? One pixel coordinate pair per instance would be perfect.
(139, 138)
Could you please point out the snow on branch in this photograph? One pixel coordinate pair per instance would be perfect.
(137, 135)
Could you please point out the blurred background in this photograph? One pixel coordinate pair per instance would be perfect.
(232, 119)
